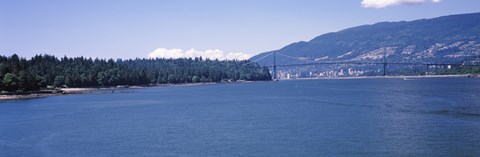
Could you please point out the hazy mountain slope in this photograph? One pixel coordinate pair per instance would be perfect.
(454, 38)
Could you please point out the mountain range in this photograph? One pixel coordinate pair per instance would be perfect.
(447, 39)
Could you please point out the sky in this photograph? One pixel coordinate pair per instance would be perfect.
(223, 29)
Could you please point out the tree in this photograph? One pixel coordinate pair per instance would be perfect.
(43, 70)
(2, 86)
(10, 82)
(40, 81)
(101, 78)
(59, 81)
(203, 79)
(161, 79)
(195, 79)
(172, 79)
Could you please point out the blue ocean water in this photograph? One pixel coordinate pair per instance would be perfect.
(352, 117)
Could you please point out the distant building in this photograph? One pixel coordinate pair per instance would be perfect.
(350, 71)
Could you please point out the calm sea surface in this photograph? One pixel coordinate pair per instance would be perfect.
(357, 117)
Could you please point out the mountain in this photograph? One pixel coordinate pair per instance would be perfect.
(448, 39)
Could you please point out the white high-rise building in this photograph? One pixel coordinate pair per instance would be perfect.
(340, 73)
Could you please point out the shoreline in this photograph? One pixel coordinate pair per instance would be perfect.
(386, 77)
(40, 94)
(106, 90)
(99, 90)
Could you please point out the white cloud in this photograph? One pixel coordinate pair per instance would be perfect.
(192, 53)
(386, 3)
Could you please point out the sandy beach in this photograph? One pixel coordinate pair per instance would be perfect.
(66, 91)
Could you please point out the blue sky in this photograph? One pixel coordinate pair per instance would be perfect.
(136, 28)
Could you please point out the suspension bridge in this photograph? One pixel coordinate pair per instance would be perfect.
(383, 63)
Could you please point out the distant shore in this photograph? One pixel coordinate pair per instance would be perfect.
(112, 90)
(380, 77)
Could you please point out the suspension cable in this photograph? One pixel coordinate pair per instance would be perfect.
(254, 61)
(292, 57)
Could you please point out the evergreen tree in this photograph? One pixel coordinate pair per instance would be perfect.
(45, 70)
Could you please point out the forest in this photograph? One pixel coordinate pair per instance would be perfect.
(42, 71)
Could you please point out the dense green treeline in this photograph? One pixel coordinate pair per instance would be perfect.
(20, 74)
(473, 70)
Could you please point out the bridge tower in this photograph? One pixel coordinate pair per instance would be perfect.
(274, 66)
(384, 63)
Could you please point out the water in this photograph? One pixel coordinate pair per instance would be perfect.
(357, 117)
